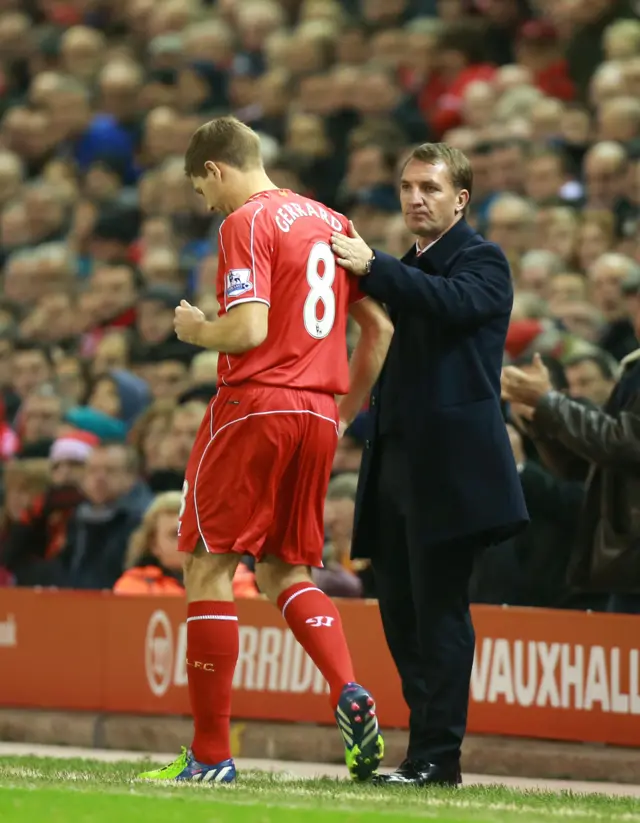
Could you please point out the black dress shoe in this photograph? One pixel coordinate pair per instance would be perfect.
(421, 773)
(404, 770)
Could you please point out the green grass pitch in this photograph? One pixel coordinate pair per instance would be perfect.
(85, 791)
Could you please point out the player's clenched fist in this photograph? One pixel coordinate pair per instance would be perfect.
(189, 323)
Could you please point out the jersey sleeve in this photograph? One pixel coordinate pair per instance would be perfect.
(245, 257)
(355, 292)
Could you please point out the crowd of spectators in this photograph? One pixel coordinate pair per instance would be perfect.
(101, 236)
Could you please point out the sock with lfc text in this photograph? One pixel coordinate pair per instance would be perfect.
(212, 654)
(317, 626)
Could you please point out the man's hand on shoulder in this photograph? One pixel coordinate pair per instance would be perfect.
(189, 323)
(351, 252)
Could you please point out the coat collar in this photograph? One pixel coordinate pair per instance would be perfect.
(452, 241)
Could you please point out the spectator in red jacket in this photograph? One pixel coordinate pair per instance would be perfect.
(460, 60)
(539, 50)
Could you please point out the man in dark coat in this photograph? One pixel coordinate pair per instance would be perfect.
(438, 480)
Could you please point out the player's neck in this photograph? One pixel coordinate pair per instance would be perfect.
(253, 184)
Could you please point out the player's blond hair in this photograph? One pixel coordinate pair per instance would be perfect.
(223, 140)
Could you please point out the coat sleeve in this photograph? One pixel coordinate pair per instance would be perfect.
(590, 433)
(479, 288)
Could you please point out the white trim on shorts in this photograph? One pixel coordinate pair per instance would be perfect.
(231, 423)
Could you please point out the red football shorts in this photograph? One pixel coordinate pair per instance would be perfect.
(258, 474)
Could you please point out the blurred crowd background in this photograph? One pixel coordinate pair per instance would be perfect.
(101, 236)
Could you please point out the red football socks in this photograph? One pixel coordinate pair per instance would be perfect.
(317, 626)
(212, 653)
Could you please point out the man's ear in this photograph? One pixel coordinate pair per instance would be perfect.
(462, 201)
(212, 168)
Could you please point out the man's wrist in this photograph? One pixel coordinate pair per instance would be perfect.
(369, 263)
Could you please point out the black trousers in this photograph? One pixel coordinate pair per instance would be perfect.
(424, 604)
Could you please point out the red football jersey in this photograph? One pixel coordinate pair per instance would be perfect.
(276, 250)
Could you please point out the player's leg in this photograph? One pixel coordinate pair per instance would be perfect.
(313, 618)
(212, 653)
(212, 650)
(208, 531)
(293, 545)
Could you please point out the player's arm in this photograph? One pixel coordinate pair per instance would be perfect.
(376, 331)
(244, 272)
(242, 329)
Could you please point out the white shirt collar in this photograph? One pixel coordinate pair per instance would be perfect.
(420, 251)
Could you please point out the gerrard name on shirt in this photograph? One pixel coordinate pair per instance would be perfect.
(290, 212)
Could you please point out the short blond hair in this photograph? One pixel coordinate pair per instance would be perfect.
(223, 140)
